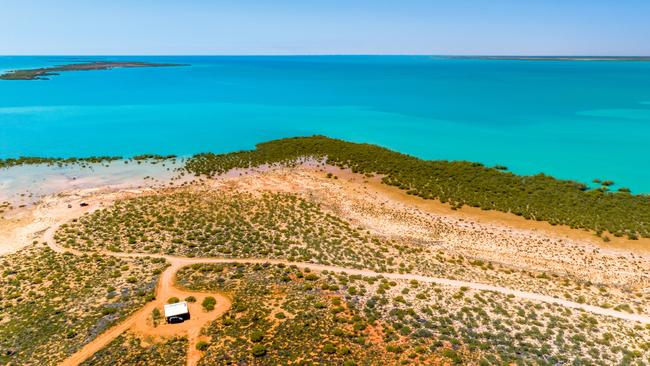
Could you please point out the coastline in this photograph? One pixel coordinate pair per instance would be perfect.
(564, 139)
(28, 220)
(642, 245)
(26, 184)
(34, 196)
(27, 181)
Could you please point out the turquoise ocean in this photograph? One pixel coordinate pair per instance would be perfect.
(571, 119)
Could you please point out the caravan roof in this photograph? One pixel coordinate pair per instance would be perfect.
(176, 309)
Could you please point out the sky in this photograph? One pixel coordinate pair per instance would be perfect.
(306, 27)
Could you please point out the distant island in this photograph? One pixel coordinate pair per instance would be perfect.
(44, 73)
(558, 58)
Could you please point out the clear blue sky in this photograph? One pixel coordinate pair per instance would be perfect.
(526, 27)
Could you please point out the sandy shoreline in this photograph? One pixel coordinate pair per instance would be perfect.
(641, 246)
(19, 225)
(24, 185)
(36, 196)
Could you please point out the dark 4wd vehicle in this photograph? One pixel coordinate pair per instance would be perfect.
(175, 319)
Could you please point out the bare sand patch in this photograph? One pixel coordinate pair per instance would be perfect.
(492, 236)
(22, 226)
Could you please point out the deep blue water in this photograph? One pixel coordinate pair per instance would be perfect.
(576, 120)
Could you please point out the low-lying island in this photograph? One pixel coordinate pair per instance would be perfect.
(45, 72)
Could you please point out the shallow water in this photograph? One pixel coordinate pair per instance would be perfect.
(575, 120)
(27, 184)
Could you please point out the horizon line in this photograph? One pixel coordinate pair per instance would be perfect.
(316, 55)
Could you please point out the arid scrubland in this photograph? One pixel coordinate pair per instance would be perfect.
(51, 304)
(130, 350)
(301, 215)
(282, 314)
(470, 247)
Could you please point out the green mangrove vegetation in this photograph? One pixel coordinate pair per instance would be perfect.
(11, 162)
(539, 197)
(24, 160)
(153, 157)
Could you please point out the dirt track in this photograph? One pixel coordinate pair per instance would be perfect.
(139, 322)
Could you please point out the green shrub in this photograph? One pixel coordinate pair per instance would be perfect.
(257, 336)
(190, 299)
(202, 346)
(259, 350)
(208, 303)
(329, 348)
